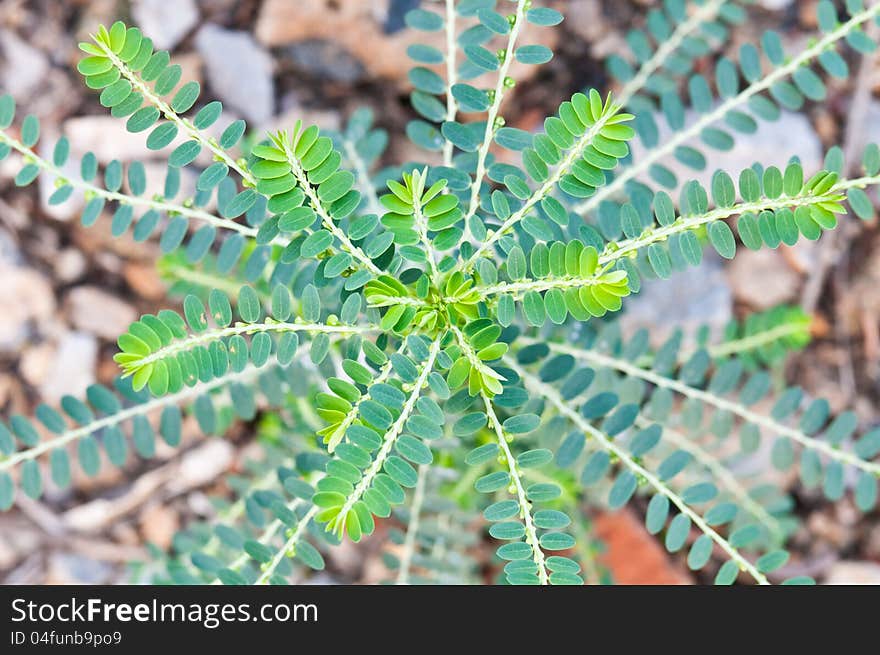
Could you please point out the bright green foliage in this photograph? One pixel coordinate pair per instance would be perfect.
(435, 343)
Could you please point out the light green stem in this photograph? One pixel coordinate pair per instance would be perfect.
(777, 75)
(735, 408)
(390, 437)
(667, 48)
(451, 76)
(123, 415)
(549, 184)
(492, 115)
(552, 396)
(159, 205)
(248, 328)
(723, 475)
(412, 530)
(525, 507)
(184, 123)
(320, 210)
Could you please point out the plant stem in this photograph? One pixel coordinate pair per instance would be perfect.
(523, 502)
(451, 76)
(721, 110)
(123, 415)
(549, 184)
(194, 340)
(362, 175)
(492, 115)
(390, 437)
(409, 542)
(667, 48)
(624, 458)
(321, 211)
(723, 475)
(720, 403)
(158, 205)
(174, 117)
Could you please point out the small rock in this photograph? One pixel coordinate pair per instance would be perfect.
(105, 136)
(69, 568)
(773, 144)
(72, 366)
(369, 31)
(36, 363)
(202, 465)
(144, 279)
(689, 299)
(586, 20)
(108, 139)
(9, 252)
(238, 70)
(158, 524)
(18, 538)
(25, 297)
(775, 5)
(165, 22)
(70, 265)
(24, 68)
(96, 311)
(853, 572)
(872, 122)
(325, 60)
(761, 278)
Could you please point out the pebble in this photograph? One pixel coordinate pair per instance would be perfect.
(95, 311)
(73, 364)
(773, 144)
(144, 280)
(325, 59)
(70, 568)
(24, 68)
(165, 22)
(369, 32)
(26, 298)
(239, 71)
(762, 278)
(158, 525)
(689, 299)
(853, 572)
(70, 265)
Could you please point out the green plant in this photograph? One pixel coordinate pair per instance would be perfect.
(440, 335)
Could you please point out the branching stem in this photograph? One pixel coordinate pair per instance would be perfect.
(184, 123)
(492, 115)
(735, 408)
(553, 397)
(412, 530)
(778, 74)
(525, 506)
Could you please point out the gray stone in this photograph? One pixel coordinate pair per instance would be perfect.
(687, 299)
(325, 60)
(70, 568)
(849, 572)
(71, 207)
(26, 299)
(73, 367)
(239, 71)
(24, 67)
(165, 22)
(95, 311)
(762, 278)
(773, 144)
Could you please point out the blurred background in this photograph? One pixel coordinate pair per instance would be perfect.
(66, 293)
